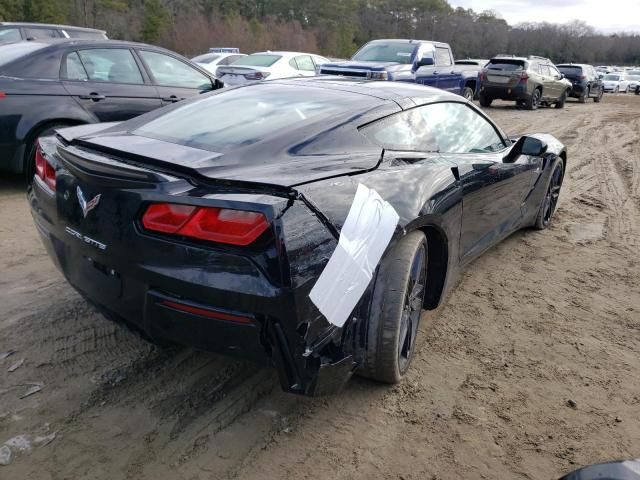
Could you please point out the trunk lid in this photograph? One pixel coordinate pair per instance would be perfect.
(503, 72)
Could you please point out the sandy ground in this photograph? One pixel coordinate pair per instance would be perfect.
(542, 322)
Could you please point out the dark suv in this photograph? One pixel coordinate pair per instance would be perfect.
(585, 80)
(16, 31)
(529, 81)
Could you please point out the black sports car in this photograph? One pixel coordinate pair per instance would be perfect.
(304, 223)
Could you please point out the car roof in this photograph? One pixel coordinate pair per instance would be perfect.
(50, 25)
(406, 40)
(573, 65)
(405, 94)
(63, 43)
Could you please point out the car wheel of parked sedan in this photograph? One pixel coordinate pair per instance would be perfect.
(534, 100)
(584, 97)
(617, 90)
(561, 101)
(468, 93)
(485, 102)
(550, 200)
(396, 308)
(599, 96)
(29, 168)
(626, 90)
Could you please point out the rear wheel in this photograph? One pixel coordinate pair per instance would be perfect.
(550, 200)
(29, 168)
(468, 93)
(585, 96)
(533, 101)
(396, 307)
(485, 102)
(599, 96)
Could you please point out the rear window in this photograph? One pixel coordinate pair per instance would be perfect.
(611, 77)
(399, 52)
(570, 70)
(206, 58)
(242, 117)
(14, 51)
(506, 65)
(258, 60)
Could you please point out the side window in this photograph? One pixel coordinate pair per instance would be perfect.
(319, 60)
(41, 33)
(305, 63)
(293, 64)
(544, 70)
(554, 71)
(115, 65)
(171, 72)
(443, 57)
(232, 58)
(439, 127)
(72, 68)
(8, 35)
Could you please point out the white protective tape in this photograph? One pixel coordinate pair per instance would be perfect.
(365, 235)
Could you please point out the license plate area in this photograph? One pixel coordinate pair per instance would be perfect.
(97, 277)
(498, 79)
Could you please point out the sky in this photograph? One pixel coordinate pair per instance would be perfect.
(606, 16)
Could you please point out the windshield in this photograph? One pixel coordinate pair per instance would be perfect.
(243, 117)
(258, 60)
(206, 58)
(399, 52)
(611, 77)
(506, 65)
(633, 78)
(9, 53)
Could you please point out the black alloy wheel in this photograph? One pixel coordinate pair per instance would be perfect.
(550, 200)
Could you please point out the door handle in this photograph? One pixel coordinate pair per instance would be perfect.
(172, 99)
(96, 97)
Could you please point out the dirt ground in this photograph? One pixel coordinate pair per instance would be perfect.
(528, 371)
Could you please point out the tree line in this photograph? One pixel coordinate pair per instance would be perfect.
(331, 27)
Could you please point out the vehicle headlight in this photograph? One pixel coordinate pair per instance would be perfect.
(378, 75)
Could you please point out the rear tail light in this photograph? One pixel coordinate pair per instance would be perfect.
(220, 225)
(583, 77)
(3, 95)
(44, 170)
(206, 312)
(524, 76)
(256, 75)
(483, 75)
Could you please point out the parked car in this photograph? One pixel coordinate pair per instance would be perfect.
(16, 31)
(585, 81)
(48, 84)
(303, 223)
(211, 61)
(473, 62)
(269, 66)
(414, 61)
(529, 81)
(615, 82)
(634, 81)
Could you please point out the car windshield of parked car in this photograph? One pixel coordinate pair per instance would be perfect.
(633, 78)
(86, 35)
(614, 78)
(242, 117)
(206, 58)
(441, 127)
(506, 65)
(397, 52)
(258, 60)
(13, 51)
(10, 35)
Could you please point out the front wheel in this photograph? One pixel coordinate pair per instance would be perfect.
(396, 307)
(562, 100)
(550, 200)
(485, 102)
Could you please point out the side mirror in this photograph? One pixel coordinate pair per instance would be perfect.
(425, 62)
(530, 146)
(561, 76)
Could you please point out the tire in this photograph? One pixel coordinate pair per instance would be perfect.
(550, 199)
(585, 96)
(599, 96)
(485, 102)
(617, 90)
(563, 98)
(626, 90)
(29, 167)
(468, 93)
(533, 101)
(396, 307)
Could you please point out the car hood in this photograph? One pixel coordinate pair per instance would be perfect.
(278, 163)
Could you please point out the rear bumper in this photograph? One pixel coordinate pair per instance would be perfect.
(215, 302)
(519, 92)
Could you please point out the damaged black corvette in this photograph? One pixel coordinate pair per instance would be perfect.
(300, 223)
